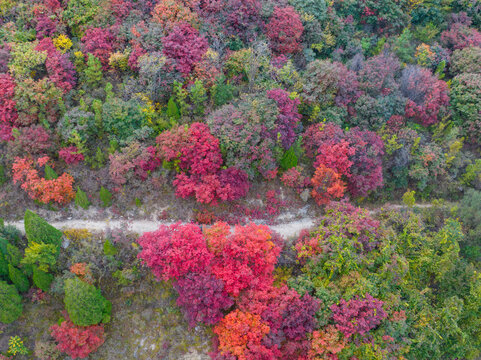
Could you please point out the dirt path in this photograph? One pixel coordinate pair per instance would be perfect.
(287, 228)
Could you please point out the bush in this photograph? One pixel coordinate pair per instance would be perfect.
(38, 230)
(10, 303)
(77, 341)
(85, 304)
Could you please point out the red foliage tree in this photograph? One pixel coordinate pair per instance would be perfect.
(58, 190)
(174, 251)
(184, 45)
(327, 343)
(202, 298)
(285, 30)
(170, 13)
(288, 118)
(100, 43)
(240, 334)
(366, 170)
(247, 259)
(196, 154)
(460, 36)
(59, 68)
(77, 341)
(327, 185)
(243, 18)
(70, 155)
(8, 112)
(336, 157)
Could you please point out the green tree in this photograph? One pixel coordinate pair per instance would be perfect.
(44, 256)
(42, 279)
(105, 197)
(93, 72)
(39, 230)
(81, 199)
(10, 303)
(85, 304)
(18, 278)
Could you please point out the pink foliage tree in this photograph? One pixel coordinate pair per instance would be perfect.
(174, 251)
(358, 315)
(184, 45)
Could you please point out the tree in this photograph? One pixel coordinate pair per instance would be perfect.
(93, 71)
(327, 185)
(202, 298)
(18, 278)
(40, 231)
(174, 251)
(247, 259)
(285, 30)
(184, 45)
(240, 332)
(85, 304)
(10, 303)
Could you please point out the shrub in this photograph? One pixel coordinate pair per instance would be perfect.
(242, 18)
(378, 75)
(202, 298)
(247, 131)
(10, 303)
(174, 251)
(185, 46)
(288, 118)
(460, 36)
(327, 83)
(284, 30)
(77, 341)
(71, 155)
(84, 303)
